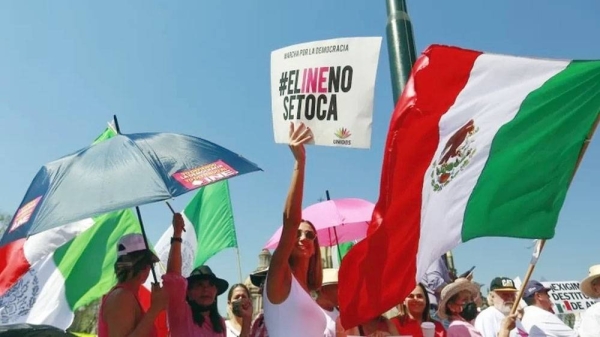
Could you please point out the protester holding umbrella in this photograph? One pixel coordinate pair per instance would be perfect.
(192, 309)
(295, 273)
(121, 314)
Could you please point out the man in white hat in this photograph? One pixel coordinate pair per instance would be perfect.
(590, 321)
(502, 297)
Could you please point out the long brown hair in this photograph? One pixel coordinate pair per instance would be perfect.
(314, 277)
(425, 316)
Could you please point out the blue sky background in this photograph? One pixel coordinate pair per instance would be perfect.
(202, 68)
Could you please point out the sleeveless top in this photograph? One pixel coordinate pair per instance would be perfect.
(103, 327)
(298, 316)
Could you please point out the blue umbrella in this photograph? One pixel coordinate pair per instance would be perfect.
(125, 171)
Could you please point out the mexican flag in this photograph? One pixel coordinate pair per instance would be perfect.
(74, 275)
(46, 277)
(478, 145)
(209, 229)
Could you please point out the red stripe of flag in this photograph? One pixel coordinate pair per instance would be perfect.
(568, 305)
(13, 264)
(380, 271)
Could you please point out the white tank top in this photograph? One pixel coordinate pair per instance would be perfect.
(298, 316)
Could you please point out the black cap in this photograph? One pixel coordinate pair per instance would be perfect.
(502, 284)
(205, 273)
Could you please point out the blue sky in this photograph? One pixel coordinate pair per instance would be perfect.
(202, 68)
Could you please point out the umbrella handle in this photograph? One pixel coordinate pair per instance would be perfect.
(173, 211)
(139, 215)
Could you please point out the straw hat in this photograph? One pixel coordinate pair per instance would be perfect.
(586, 285)
(452, 289)
(330, 276)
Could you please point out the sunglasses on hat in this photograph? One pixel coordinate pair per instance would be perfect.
(309, 235)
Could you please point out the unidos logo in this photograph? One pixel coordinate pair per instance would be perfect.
(342, 134)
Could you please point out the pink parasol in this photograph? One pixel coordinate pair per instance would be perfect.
(337, 221)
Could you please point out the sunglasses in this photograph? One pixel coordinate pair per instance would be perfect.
(309, 235)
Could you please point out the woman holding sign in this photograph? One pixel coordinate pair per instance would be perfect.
(296, 273)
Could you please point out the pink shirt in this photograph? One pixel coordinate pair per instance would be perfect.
(179, 313)
(462, 329)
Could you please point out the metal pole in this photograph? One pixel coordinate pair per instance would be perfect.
(401, 45)
(239, 263)
(139, 214)
(337, 243)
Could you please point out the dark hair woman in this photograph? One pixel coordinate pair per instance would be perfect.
(192, 309)
(413, 312)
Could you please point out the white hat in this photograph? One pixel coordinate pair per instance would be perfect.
(133, 243)
(586, 285)
(330, 276)
(454, 288)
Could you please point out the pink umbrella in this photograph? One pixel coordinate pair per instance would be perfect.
(336, 221)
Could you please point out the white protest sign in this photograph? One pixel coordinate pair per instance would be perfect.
(567, 298)
(329, 86)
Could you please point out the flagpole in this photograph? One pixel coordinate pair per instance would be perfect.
(540, 244)
(539, 247)
(239, 262)
(337, 243)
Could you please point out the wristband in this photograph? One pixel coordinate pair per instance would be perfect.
(173, 239)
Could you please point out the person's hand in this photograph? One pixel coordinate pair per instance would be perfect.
(246, 308)
(178, 224)
(509, 322)
(298, 137)
(380, 334)
(159, 298)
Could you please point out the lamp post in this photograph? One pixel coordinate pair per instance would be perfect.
(401, 45)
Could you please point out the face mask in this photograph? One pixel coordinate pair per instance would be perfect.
(469, 311)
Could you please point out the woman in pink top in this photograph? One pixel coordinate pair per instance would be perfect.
(457, 305)
(121, 314)
(192, 309)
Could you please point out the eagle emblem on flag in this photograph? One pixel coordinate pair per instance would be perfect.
(455, 156)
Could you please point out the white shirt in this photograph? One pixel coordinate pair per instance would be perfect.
(590, 322)
(489, 322)
(542, 323)
(231, 331)
(298, 316)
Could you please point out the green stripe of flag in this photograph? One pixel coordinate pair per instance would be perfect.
(211, 214)
(87, 262)
(558, 115)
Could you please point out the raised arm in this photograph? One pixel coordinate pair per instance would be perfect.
(174, 261)
(279, 277)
